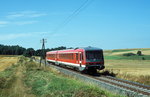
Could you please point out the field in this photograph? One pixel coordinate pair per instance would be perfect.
(129, 67)
(26, 79)
(6, 61)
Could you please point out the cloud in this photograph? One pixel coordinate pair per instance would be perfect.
(6, 23)
(21, 18)
(24, 22)
(13, 36)
(3, 23)
(25, 14)
(20, 35)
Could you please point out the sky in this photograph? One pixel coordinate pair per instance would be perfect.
(107, 24)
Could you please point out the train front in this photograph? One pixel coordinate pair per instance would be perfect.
(94, 59)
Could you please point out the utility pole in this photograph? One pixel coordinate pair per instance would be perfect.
(43, 56)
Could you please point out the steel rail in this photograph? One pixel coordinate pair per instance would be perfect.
(128, 85)
(130, 82)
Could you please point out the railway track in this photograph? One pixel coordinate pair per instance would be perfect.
(143, 90)
(124, 87)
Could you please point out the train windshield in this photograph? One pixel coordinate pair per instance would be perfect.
(94, 56)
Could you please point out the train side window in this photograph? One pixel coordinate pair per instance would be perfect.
(76, 56)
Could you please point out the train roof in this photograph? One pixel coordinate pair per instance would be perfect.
(76, 49)
(89, 48)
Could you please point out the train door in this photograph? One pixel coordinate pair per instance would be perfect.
(81, 62)
(77, 58)
(81, 56)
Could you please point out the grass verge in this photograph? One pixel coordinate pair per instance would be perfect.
(7, 77)
(50, 83)
(121, 57)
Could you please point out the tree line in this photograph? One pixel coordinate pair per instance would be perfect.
(28, 52)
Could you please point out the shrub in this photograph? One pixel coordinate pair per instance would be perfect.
(129, 54)
(143, 58)
(139, 53)
(108, 73)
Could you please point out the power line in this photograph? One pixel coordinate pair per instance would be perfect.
(75, 13)
(85, 4)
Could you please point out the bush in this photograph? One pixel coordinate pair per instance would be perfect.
(108, 73)
(139, 53)
(129, 54)
(143, 58)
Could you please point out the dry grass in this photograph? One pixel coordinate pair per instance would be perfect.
(134, 70)
(134, 67)
(7, 61)
(128, 63)
(129, 69)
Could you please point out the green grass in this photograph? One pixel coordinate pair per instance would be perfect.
(122, 50)
(112, 57)
(47, 83)
(7, 77)
(121, 57)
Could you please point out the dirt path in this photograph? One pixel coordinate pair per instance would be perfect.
(18, 87)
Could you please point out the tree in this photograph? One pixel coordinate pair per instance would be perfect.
(11, 50)
(18, 50)
(139, 53)
(29, 52)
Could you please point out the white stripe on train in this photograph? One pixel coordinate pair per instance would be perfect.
(66, 63)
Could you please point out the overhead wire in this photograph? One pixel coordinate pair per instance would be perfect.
(75, 13)
(85, 4)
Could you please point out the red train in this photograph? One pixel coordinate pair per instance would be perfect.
(83, 59)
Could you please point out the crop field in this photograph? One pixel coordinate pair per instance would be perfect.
(132, 67)
(6, 61)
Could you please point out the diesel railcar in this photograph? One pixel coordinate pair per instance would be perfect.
(83, 59)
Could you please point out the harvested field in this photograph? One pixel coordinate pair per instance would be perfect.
(6, 61)
(134, 67)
